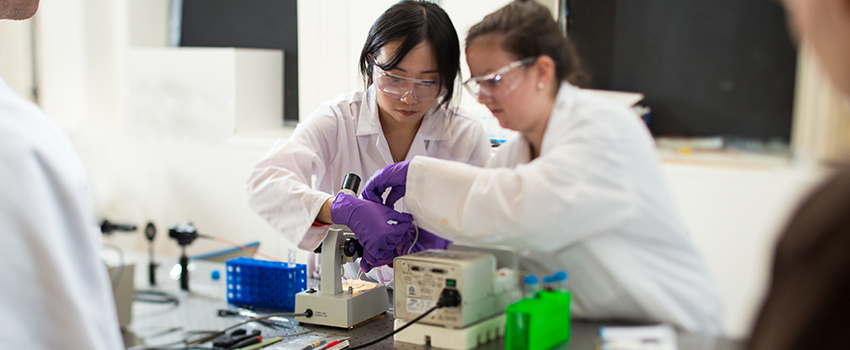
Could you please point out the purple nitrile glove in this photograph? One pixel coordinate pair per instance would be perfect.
(393, 176)
(426, 240)
(369, 262)
(371, 224)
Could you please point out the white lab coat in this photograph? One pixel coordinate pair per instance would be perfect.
(594, 203)
(54, 291)
(295, 178)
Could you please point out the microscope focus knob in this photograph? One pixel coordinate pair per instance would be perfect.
(352, 247)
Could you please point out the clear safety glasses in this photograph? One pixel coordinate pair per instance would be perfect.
(398, 87)
(499, 83)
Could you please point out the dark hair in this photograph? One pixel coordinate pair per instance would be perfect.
(413, 22)
(529, 30)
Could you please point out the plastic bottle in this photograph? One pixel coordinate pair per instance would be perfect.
(548, 283)
(291, 258)
(560, 280)
(531, 286)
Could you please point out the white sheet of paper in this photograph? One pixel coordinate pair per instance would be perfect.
(660, 337)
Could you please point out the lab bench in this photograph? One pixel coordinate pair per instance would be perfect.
(155, 323)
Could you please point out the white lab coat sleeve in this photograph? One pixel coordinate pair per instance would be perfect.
(576, 189)
(55, 293)
(280, 186)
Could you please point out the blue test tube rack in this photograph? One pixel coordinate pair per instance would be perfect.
(262, 283)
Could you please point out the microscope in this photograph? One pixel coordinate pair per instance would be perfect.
(337, 303)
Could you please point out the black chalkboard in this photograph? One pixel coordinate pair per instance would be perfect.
(707, 68)
(260, 24)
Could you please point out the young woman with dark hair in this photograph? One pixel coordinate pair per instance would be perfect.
(580, 189)
(410, 63)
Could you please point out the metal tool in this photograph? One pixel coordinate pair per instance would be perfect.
(271, 321)
(235, 338)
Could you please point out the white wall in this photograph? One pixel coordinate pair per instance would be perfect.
(464, 15)
(16, 61)
(733, 212)
(324, 67)
(137, 178)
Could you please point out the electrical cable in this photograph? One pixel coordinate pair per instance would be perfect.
(381, 269)
(414, 239)
(162, 332)
(237, 245)
(155, 296)
(448, 298)
(373, 342)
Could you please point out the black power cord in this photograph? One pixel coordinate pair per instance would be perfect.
(156, 297)
(448, 298)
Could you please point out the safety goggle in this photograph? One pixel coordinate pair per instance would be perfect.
(499, 83)
(398, 87)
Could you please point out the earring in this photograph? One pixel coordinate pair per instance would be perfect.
(540, 85)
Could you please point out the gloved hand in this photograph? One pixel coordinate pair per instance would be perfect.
(369, 261)
(395, 176)
(426, 240)
(369, 221)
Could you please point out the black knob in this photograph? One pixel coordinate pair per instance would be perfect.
(150, 231)
(352, 247)
(351, 181)
(107, 227)
(184, 233)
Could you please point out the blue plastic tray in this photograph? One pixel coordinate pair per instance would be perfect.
(264, 283)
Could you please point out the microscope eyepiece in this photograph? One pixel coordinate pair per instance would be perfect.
(351, 182)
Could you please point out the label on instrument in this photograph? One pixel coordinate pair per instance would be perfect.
(415, 305)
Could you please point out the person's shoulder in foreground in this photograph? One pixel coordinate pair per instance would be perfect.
(806, 306)
(56, 294)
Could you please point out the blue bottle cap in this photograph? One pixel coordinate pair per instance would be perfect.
(531, 280)
(560, 276)
(215, 274)
(548, 279)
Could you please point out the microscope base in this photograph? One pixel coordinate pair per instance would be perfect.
(342, 310)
